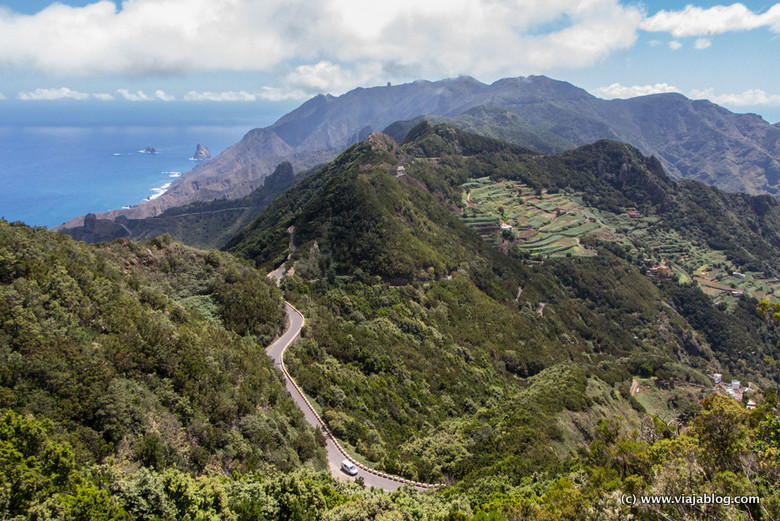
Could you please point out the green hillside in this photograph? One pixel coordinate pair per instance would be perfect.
(427, 346)
(203, 224)
(143, 355)
(539, 379)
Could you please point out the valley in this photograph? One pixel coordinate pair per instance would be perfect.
(520, 327)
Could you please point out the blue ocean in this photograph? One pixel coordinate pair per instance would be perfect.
(61, 160)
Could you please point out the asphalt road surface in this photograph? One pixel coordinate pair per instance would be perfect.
(335, 457)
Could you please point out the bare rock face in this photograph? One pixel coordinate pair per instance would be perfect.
(201, 153)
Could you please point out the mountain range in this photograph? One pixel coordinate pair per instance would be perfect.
(540, 331)
(693, 139)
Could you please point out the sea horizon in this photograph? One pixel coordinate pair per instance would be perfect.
(59, 160)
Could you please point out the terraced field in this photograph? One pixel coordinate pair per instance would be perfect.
(541, 224)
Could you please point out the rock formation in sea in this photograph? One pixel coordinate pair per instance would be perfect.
(201, 153)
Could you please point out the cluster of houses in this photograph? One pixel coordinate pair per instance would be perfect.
(659, 271)
(735, 389)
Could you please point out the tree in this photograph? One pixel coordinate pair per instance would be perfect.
(763, 308)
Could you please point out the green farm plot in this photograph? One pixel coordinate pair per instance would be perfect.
(541, 239)
(580, 230)
(541, 223)
(562, 223)
(545, 224)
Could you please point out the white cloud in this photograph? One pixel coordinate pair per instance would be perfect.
(133, 96)
(702, 43)
(53, 94)
(2, 96)
(752, 97)
(140, 95)
(281, 94)
(696, 21)
(162, 95)
(102, 96)
(674, 45)
(220, 96)
(616, 90)
(319, 44)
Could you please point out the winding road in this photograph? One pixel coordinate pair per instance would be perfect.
(336, 453)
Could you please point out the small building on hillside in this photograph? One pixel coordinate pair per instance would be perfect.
(717, 377)
(660, 270)
(738, 274)
(633, 214)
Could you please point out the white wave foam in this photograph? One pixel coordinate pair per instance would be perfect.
(158, 191)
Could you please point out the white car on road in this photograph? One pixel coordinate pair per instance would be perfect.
(349, 467)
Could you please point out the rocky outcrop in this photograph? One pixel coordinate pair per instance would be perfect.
(281, 178)
(98, 230)
(201, 153)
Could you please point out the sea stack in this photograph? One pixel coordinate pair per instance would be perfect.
(201, 153)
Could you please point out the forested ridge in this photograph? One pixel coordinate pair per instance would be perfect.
(134, 383)
(147, 355)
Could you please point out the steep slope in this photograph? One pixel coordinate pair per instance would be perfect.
(436, 356)
(201, 224)
(145, 354)
(693, 139)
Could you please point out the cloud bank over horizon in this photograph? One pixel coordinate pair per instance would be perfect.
(719, 19)
(748, 98)
(315, 45)
(299, 48)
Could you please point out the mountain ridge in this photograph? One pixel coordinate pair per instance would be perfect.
(692, 138)
(403, 290)
(439, 345)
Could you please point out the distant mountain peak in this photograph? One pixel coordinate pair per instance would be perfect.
(692, 139)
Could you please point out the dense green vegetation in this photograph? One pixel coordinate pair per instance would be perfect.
(725, 451)
(149, 353)
(133, 382)
(436, 356)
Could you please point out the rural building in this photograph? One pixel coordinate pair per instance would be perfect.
(659, 270)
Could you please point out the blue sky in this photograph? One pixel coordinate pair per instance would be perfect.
(285, 51)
